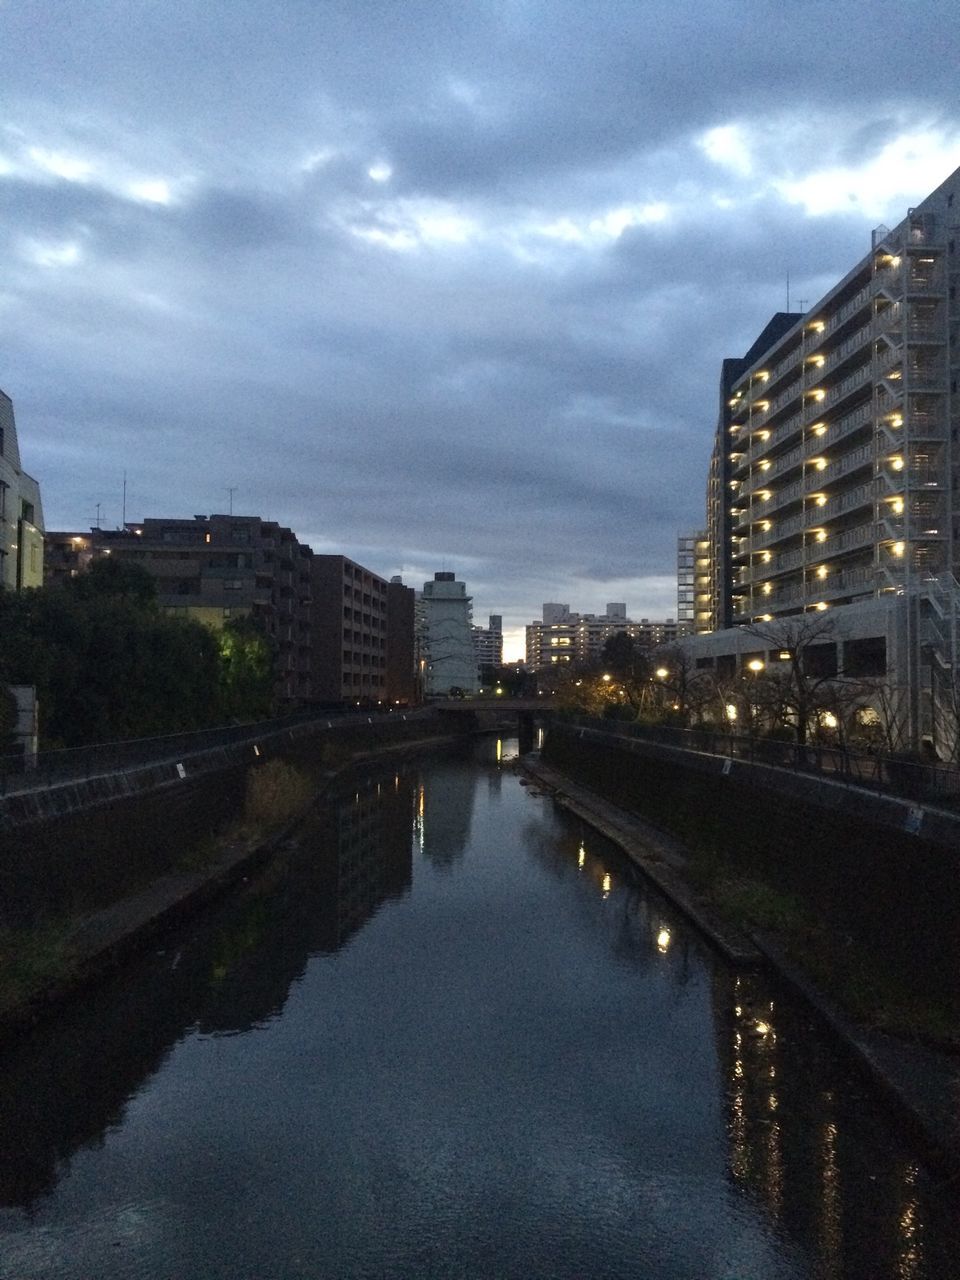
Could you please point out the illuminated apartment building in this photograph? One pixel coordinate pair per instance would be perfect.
(836, 463)
(565, 637)
(694, 583)
(839, 440)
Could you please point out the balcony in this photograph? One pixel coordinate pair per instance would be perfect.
(849, 308)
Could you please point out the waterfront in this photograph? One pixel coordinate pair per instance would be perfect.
(450, 1034)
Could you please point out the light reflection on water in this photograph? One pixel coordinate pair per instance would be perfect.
(451, 1036)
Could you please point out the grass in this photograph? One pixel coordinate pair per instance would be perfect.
(276, 792)
(859, 978)
(33, 959)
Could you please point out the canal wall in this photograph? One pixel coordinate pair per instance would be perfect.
(873, 870)
(79, 845)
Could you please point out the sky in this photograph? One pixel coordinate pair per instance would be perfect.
(439, 285)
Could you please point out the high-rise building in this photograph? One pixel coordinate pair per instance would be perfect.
(401, 646)
(694, 613)
(833, 483)
(447, 650)
(21, 513)
(349, 614)
(488, 642)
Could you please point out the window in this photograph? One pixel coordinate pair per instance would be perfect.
(865, 657)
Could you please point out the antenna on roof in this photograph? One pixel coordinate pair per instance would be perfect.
(123, 520)
(788, 290)
(231, 490)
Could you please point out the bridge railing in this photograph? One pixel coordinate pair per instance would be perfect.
(884, 773)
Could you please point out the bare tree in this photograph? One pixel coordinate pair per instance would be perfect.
(798, 683)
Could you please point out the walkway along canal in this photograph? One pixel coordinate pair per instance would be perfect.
(450, 1033)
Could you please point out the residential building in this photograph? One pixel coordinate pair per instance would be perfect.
(488, 642)
(447, 653)
(694, 583)
(214, 568)
(401, 644)
(566, 637)
(350, 609)
(836, 465)
(21, 512)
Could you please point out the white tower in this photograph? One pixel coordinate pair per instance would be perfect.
(448, 638)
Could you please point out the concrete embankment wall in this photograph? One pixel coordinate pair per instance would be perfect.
(80, 845)
(872, 869)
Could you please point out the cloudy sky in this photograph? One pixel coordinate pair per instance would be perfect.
(437, 283)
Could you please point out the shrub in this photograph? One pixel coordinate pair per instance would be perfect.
(276, 792)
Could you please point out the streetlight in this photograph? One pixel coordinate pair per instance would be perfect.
(661, 673)
(755, 665)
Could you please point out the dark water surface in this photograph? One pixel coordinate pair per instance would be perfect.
(451, 1035)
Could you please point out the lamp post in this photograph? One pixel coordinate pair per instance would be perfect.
(756, 665)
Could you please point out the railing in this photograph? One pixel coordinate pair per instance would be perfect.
(853, 304)
(886, 774)
(48, 768)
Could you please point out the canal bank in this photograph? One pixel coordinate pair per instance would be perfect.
(76, 949)
(920, 1082)
(450, 1032)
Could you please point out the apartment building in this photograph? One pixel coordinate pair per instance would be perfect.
(350, 611)
(21, 513)
(565, 637)
(446, 650)
(833, 482)
(488, 642)
(211, 569)
(694, 584)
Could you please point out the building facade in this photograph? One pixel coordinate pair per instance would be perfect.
(350, 609)
(401, 645)
(213, 569)
(447, 651)
(21, 512)
(564, 637)
(694, 584)
(836, 464)
(488, 642)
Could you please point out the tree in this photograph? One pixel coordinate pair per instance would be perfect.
(796, 688)
(626, 672)
(247, 662)
(106, 663)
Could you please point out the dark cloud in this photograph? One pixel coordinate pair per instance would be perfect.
(431, 282)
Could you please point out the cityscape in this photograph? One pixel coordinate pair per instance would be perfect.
(479, 641)
(830, 491)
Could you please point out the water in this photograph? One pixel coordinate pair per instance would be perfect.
(452, 1035)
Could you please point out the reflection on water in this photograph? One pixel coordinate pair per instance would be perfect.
(526, 1065)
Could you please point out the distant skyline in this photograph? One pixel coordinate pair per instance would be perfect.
(437, 285)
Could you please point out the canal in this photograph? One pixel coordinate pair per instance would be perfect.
(450, 1033)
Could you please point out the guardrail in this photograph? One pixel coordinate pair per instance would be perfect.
(47, 768)
(883, 773)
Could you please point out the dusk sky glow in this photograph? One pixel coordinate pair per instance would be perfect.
(438, 285)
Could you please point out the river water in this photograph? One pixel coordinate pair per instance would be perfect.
(450, 1034)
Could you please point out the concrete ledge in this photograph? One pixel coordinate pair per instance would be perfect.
(919, 1083)
(659, 857)
(103, 940)
(940, 826)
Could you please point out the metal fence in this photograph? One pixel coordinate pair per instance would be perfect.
(887, 774)
(47, 768)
